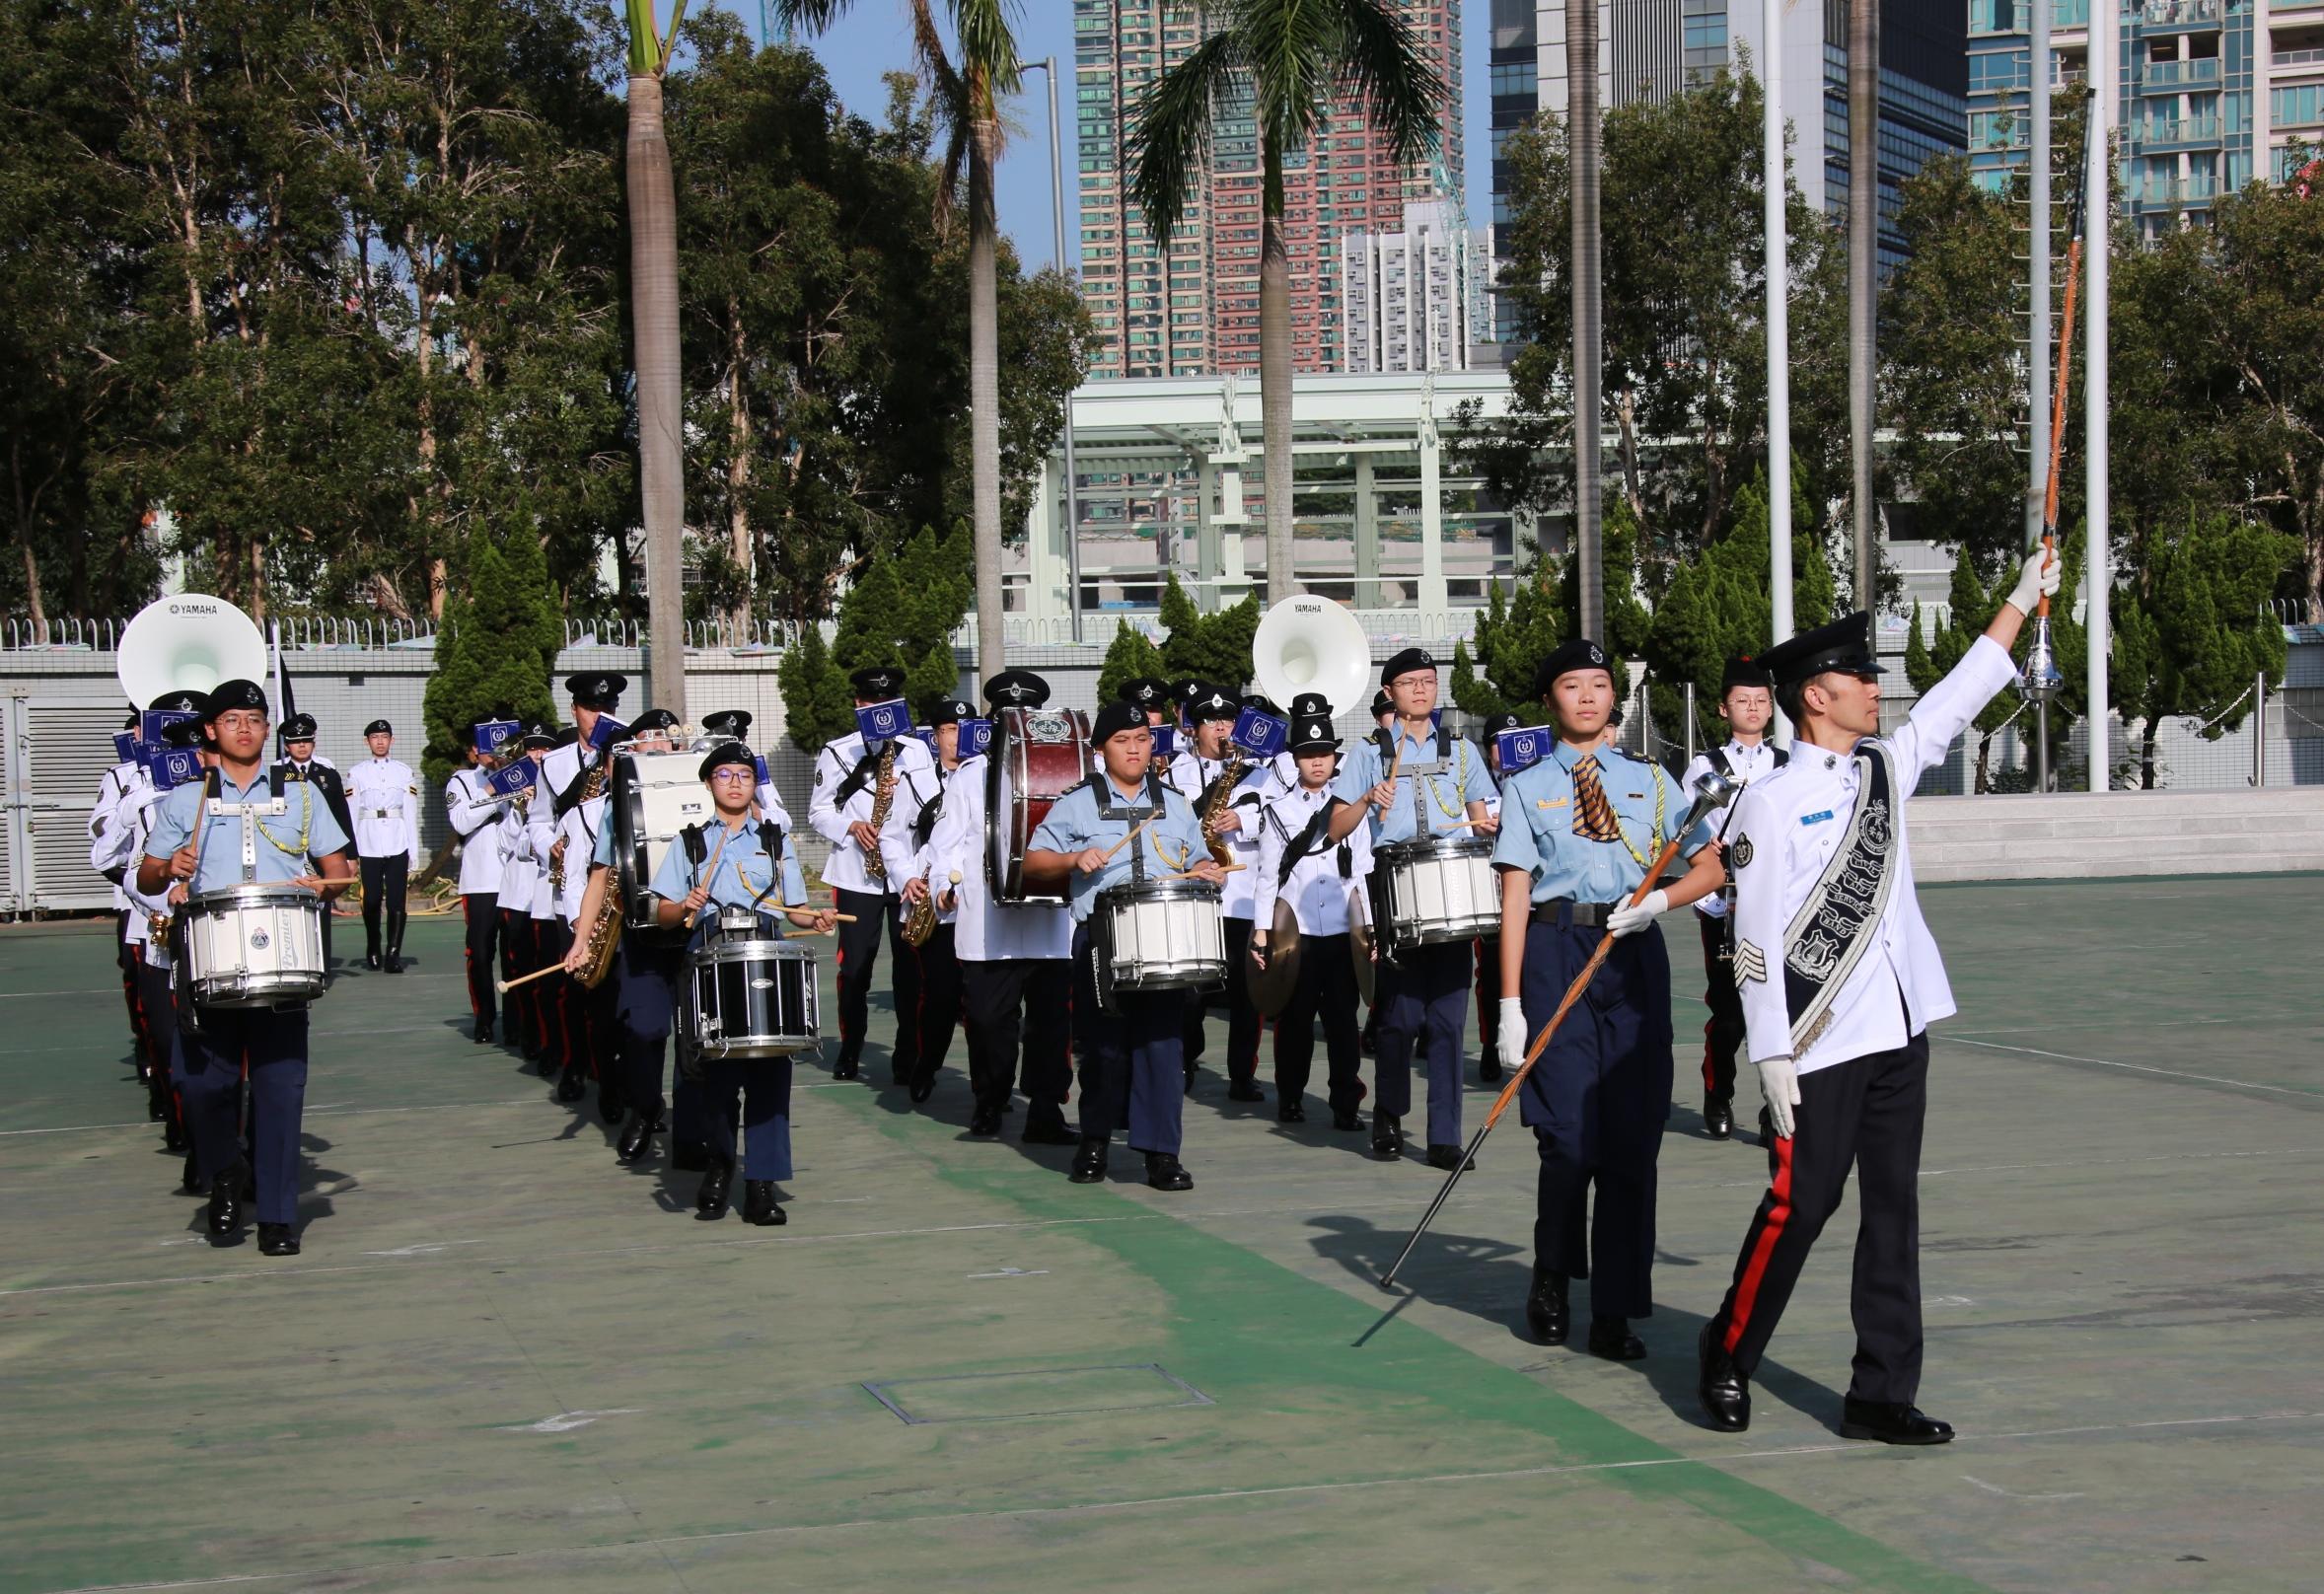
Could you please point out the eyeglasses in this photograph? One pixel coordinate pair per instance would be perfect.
(733, 778)
(246, 720)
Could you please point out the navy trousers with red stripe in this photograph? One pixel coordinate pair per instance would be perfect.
(859, 957)
(1722, 1032)
(1865, 1113)
(480, 912)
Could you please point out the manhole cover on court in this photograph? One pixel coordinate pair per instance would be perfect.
(1047, 1392)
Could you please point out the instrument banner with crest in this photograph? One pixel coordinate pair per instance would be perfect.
(1839, 920)
(1524, 747)
(489, 734)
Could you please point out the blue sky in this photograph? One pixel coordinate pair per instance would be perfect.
(872, 38)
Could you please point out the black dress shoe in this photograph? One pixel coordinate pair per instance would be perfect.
(848, 1070)
(278, 1240)
(1243, 1090)
(1346, 1120)
(924, 1086)
(1719, 1384)
(636, 1136)
(570, 1086)
(1895, 1423)
(1387, 1137)
(984, 1121)
(1546, 1312)
(711, 1200)
(394, 961)
(1612, 1341)
(759, 1206)
(1089, 1163)
(1448, 1157)
(226, 1204)
(371, 960)
(173, 1136)
(1489, 1066)
(1718, 1117)
(1164, 1172)
(1050, 1130)
(188, 1180)
(1192, 1071)
(483, 1036)
(692, 1157)
(1290, 1111)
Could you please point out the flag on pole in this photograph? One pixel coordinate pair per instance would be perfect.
(284, 706)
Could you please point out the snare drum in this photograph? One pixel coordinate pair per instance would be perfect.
(254, 946)
(1429, 893)
(1159, 935)
(746, 997)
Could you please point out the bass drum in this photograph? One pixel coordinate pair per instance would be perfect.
(1037, 755)
(652, 797)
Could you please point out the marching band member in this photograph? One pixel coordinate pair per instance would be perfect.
(300, 761)
(385, 797)
(1581, 829)
(846, 795)
(115, 852)
(521, 869)
(1488, 947)
(1324, 884)
(1209, 760)
(592, 1015)
(271, 1043)
(476, 819)
(1152, 697)
(1129, 1040)
(1841, 981)
(903, 843)
(733, 725)
(735, 860)
(1282, 765)
(1015, 959)
(1746, 702)
(1439, 788)
(118, 782)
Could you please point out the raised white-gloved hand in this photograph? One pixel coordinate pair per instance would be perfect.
(1511, 1040)
(1778, 1088)
(1631, 918)
(2038, 580)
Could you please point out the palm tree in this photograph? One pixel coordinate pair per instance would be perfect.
(1585, 141)
(967, 98)
(653, 311)
(1863, 282)
(1294, 58)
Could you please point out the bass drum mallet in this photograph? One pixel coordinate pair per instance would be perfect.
(1712, 791)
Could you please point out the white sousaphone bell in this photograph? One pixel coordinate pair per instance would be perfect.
(190, 642)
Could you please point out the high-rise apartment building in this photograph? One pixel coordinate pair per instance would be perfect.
(1193, 309)
(1514, 72)
(2213, 94)
(1414, 298)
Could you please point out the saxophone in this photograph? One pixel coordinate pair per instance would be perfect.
(1215, 799)
(593, 785)
(602, 936)
(883, 799)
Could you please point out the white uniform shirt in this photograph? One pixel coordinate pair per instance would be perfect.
(1325, 902)
(1788, 823)
(906, 856)
(1191, 775)
(833, 766)
(985, 931)
(121, 781)
(519, 869)
(118, 845)
(1744, 765)
(385, 795)
(578, 830)
(476, 821)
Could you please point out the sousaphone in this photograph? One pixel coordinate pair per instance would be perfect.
(190, 642)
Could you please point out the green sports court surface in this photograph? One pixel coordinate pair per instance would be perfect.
(503, 1362)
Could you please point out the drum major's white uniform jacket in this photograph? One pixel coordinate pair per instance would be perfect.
(1786, 826)
(985, 931)
(121, 781)
(1744, 765)
(831, 817)
(1192, 774)
(476, 819)
(384, 794)
(1322, 899)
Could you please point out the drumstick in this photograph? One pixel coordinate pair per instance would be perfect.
(709, 875)
(1224, 869)
(505, 987)
(1125, 840)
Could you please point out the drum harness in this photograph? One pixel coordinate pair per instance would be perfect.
(1134, 814)
(1297, 847)
(1376, 883)
(770, 838)
(213, 797)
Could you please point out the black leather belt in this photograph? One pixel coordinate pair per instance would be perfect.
(1565, 911)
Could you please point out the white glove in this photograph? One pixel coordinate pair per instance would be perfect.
(2039, 579)
(1631, 918)
(1512, 1038)
(1778, 1088)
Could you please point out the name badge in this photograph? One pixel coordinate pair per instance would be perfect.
(1815, 819)
(1551, 802)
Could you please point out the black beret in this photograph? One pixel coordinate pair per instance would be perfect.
(1494, 724)
(298, 727)
(951, 711)
(1308, 704)
(1844, 646)
(1577, 653)
(1145, 692)
(728, 722)
(1381, 704)
(653, 719)
(182, 733)
(1209, 702)
(1405, 663)
(178, 702)
(1016, 688)
(1743, 671)
(596, 689)
(728, 753)
(379, 727)
(1114, 720)
(227, 695)
(876, 683)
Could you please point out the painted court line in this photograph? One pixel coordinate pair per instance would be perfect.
(1209, 1496)
(2142, 1068)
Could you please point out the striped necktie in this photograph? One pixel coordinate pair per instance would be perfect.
(1593, 815)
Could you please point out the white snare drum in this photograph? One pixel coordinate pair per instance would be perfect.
(746, 997)
(1436, 890)
(254, 946)
(1159, 935)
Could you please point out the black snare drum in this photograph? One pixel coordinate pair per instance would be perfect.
(750, 998)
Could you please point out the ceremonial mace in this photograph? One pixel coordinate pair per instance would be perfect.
(1713, 790)
(2041, 679)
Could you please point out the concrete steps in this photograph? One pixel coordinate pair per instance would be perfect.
(2080, 834)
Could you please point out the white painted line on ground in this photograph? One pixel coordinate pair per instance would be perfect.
(425, 1249)
(311, 1112)
(2140, 1069)
(2010, 1493)
(1948, 1032)
(1014, 1272)
(567, 1421)
(20, 995)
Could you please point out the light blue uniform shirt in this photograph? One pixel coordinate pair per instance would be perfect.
(1444, 796)
(744, 874)
(1172, 844)
(1537, 826)
(280, 843)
